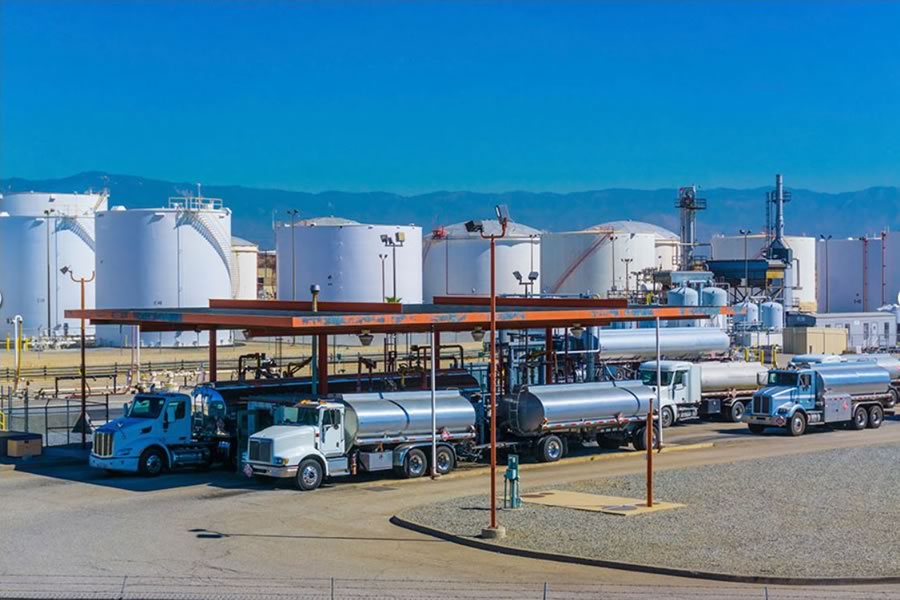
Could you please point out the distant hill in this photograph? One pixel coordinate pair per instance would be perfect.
(811, 213)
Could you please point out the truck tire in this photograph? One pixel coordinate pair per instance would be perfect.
(551, 449)
(446, 460)
(667, 416)
(797, 425)
(876, 416)
(894, 398)
(736, 412)
(860, 418)
(415, 464)
(639, 439)
(309, 475)
(756, 428)
(152, 462)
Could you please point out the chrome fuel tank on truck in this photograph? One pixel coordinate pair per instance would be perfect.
(542, 407)
(885, 361)
(674, 342)
(856, 379)
(723, 376)
(405, 416)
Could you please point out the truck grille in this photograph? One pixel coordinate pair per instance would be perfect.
(261, 450)
(762, 405)
(103, 444)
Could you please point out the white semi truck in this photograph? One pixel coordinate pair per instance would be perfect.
(704, 389)
(350, 433)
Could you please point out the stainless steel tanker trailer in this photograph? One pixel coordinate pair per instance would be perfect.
(348, 434)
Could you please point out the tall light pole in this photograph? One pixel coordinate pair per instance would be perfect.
(612, 246)
(745, 233)
(826, 239)
(82, 281)
(393, 243)
(293, 214)
(627, 262)
(383, 289)
(47, 214)
(477, 226)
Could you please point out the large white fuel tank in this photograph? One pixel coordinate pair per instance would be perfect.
(174, 257)
(244, 264)
(722, 376)
(349, 261)
(457, 262)
(42, 234)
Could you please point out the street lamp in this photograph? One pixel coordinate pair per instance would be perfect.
(393, 243)
(383, 290)
(494, 531)
(745, 233)
(532, 277)
(825, 239)
(47, 213)
(82, 280)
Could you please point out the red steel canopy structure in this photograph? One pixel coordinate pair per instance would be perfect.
(448, 313)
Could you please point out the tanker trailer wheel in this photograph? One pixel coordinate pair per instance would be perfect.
(550, 449)
(639, 438)
(667, 416)
(309, 475)
(797, 425)
(895, 397)
(445, 460)
(736, 413)
(152, 462)
(860, 418)
(876, 416)
(415, 464)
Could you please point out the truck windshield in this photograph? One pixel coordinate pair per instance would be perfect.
(146, 407)
(293, 415)
(648, 377)
(782, 378)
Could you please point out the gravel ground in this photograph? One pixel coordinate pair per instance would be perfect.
(824, 514)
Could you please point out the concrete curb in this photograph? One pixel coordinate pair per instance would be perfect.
(472, 542)
(576, 460)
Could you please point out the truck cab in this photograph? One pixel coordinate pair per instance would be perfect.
(789, 397)
(680, 391)
(308, 444)
(160, 431)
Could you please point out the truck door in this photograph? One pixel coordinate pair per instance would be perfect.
(332, 432)
(679, 387)
(176, 422)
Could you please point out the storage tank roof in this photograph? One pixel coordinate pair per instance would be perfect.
(238, 242)
(635, 227)
(328, 221)
(491, 226)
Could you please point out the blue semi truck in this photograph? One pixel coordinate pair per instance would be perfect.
(853, 394)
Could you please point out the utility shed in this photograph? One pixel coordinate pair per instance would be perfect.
(865, 330)
(815, 340)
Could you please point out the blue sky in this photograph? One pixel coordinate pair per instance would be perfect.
(418, 96)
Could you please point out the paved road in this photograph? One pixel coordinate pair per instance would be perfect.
(216, 535)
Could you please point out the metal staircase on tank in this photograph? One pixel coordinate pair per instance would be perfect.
(74, 225)
(196, 213)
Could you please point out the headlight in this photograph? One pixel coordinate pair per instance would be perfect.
(279, 460)
(782, 411)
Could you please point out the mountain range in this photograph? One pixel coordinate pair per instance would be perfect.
(809, 212)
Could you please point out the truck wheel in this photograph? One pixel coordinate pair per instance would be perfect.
(895, 397)
(876, 416)
(309, 475)
(667, 416)
(797, 425)
(737, 412)
(550, 449)
(860, 418)
(639, 439)
(152, 462)
(756, 428)
(445, 460)
(415, 464)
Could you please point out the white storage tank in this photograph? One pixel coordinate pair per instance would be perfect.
(668, 244)
(771, 316)
(800, 292)
(858, 274)
(174, 257)
(458, 263)
(599, 261)
(715, 296)
(746, 315)
(244, 264)
(682, 296)
(349, 261)
(40, 235)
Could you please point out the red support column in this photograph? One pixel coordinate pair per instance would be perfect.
(213, 360)
(323, 363)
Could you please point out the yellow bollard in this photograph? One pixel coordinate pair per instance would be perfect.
(8, 342)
